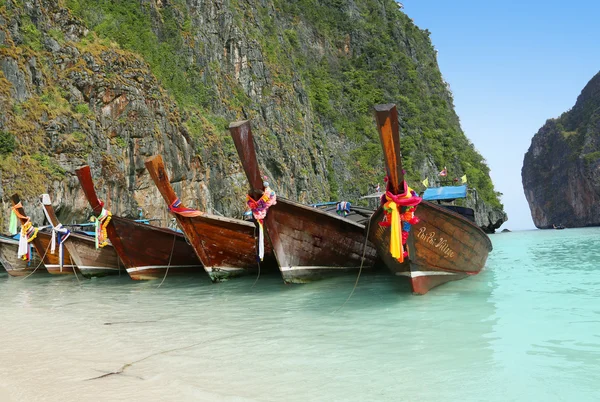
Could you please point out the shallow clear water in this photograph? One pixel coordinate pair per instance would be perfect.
(525, 329)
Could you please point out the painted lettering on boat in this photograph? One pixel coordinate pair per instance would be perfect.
(439, 243)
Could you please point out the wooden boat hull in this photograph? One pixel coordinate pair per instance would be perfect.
(149, 252)
(443, 247)
(310, 244)
(228, 247)
(91, 261)
(52, 261)
(15, 266)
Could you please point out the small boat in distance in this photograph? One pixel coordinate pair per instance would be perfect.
(309, 244)
(16, 266)
(443, 245)
(56, 263)
(146, 251)
(225, 246)
(91, 261)
(558, 227)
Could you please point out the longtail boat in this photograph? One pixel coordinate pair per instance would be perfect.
(16, 266)
(146, 251)
(439, 245)
(57, 263)
(226, 247)
(91, 261)
(309, 244)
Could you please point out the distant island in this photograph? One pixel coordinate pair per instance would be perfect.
(560, 169)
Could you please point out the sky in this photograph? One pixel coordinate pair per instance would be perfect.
(511, 65)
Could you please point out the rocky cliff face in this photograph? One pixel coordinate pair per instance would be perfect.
(110, 84)
(561, 169)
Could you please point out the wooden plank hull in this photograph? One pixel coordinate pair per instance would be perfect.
(443, 247)
(227, 247)
(148, 252)
(90, 261)
(16, 266)
(310, 244)
(52, 261)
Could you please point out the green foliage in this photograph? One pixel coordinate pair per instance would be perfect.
(121, 143)
(393, 62)
(79, 136)
(591, 157)
(7, 143)
(57, 35)
(347, 56)
(131, 25)
(49, 165)
(31, 35)
(83, 109)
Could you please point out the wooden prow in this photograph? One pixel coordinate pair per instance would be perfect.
(15, 200)
(36, 242)
(156, 168)
(388, 127)
(244, 143)
(49, 210)
(84, 175)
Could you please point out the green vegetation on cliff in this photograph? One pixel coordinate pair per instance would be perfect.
(358, 61)
(305, 72)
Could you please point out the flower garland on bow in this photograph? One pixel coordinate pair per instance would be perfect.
(259, 210)
(101, 237)
(179, 209)
(399, 213)
(28, 233)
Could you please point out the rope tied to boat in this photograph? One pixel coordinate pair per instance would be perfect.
(101, 222)
(259, 210)
(179, 209)
(399, 213)
(28, 233)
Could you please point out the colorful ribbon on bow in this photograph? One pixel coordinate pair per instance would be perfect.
(13, 224)
(399, 213)
(59, 234)
(101, 222)
(259, 210)
(179, 209)
(28, 233)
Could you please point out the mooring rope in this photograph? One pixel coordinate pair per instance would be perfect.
(257, 261)
(41, 262)
(169, 264)
(362, 262)
(74, 268)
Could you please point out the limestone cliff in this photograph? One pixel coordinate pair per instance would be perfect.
(561, 169)
(110, 83)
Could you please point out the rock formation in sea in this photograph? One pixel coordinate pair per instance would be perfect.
(110, 83)
(561, 169)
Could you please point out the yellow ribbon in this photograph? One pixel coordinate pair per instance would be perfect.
(396, 248)
(395, 240)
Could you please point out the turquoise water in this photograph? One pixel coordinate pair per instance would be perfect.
(526, 329)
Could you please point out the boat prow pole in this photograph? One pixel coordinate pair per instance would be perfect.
(244, 144)
(47, 205)
(84, 175)
(156, 167)
(389, 133)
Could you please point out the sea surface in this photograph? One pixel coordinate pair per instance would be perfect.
(526, 329)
